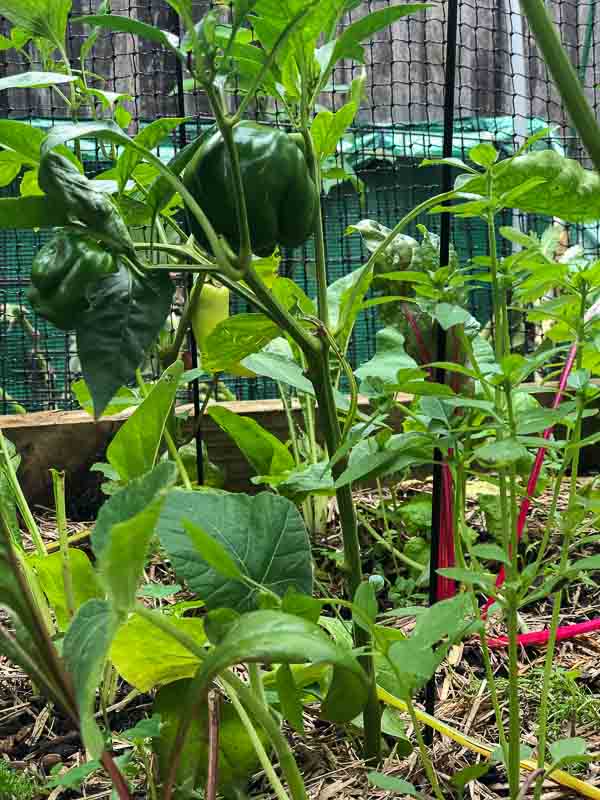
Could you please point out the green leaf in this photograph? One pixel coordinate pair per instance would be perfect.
(44, 18)
(135, 448)
(149, 137)
(568, 191)
(289, 697)
(131, 503)
(467, 576)
(366, 601)
(85, 650)
(22, 138)
(266, 454)
(11, 164)
(471, 773)
(491, 552)
(483, 154)
(392, 784)
(329, 127)
(502, 453)
(263, 533)
(368, 460)
(34, 80)
(272, 637)
(571, 749)
(75, 777)
(134, 649)
(114, 334)
(589, 564)
(118, 24)
(280, 368)
(214, 553)
(237, 762)
(235, 338)
(86, 586)
(390, 357)
(144, 729)
(123, 399)
(30, 212)
(349, 45)
(449, 315)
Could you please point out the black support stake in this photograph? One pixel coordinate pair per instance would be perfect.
(440, 355)
(189, 285)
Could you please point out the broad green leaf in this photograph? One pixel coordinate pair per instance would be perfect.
(235, 338)
(491, 552)
(134, 649)
(483, 154)
(148, 728)
(119, 24)
(149, 137)
(280, 368)
(449, 315)
(328, 128)
(131, 503)
(30, 212)
(272, 637)
(591, 564)
(308, 479)
(366, 601)
(471, 773)
(238, 761)
(571, 749)
(502, 453)
(44, 18)
(264, 534)
(369, 460)
(389, 358)
(573, 194)
(135, 448)
(114, 334)
(214, 553)
(11, 164)
(346, 297)
(75, 777)
(289, 698)
(84, 579)
(85, 650)
(467, 576)
(266, 454)
(34, 80)
(22, 138)
(123, 399)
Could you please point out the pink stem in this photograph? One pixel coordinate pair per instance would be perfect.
(541, 637)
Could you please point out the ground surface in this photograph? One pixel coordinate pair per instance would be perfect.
(36, 741)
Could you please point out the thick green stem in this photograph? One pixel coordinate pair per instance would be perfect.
(564, 75)
(318, 369)
(320, 255)
(171, 354)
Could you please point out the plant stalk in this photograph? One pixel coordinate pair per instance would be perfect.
(564, 75)
(58, 485)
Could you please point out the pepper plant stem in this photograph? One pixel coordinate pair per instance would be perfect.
(320, 255)
(564, 75)
(318, 369)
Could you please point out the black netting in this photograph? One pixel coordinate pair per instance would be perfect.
(503, 93)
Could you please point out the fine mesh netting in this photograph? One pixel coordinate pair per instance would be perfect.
(503, 94)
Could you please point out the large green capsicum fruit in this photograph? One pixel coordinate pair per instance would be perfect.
(63, 272)
(281, 197)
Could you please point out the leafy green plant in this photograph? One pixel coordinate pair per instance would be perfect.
(17, 786)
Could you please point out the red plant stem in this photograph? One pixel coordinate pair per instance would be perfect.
(420, 342)
(541, 637)
(115, 775)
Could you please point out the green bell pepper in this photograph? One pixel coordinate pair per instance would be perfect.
(281, 197)
(63, 272)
